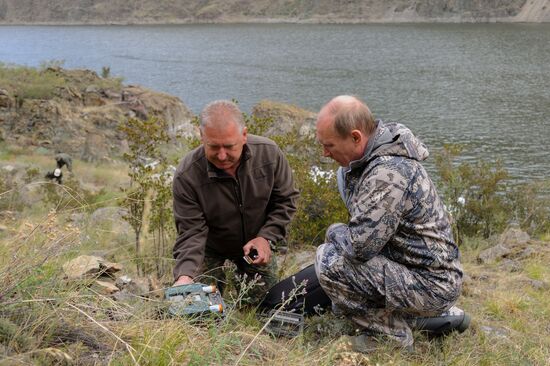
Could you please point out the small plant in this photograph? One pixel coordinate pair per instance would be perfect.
(105, 72)
(149, 195)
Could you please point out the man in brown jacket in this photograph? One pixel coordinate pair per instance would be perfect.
(233, 196)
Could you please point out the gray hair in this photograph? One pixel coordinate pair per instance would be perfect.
(220, 113)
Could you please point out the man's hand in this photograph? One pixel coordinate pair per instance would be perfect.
(262, 247)
(183, 280)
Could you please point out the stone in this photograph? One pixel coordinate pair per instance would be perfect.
(80, 109)
(134, 286)
(286, 117)
(77, 218)
(112, 219)
(86, 266)
(106, 287)
(513, 236)
(5, 101)
(92, 89)
(492, 254)
(539, 285)
(494, 331)
(511, 265)
(527, 252)
(8, 168)
(156, 289)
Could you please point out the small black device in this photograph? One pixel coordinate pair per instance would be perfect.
(251, 256)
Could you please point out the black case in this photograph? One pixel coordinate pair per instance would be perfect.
(314, 301)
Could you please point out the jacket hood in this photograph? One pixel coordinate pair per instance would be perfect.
(389, 139)
(392, 139)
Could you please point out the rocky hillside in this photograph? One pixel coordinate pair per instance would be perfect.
(77, 111)
(323, 11)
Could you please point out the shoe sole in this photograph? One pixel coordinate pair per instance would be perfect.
(465, 324)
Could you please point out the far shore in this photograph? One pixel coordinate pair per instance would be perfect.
(239, 20)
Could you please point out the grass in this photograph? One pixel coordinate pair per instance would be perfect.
(25, 82)
(47, 319)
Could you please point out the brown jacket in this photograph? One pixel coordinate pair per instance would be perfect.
(214, 209)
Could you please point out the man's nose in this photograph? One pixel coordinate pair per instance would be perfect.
(222, 154)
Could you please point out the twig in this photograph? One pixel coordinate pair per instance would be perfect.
(128, 347)
(292, 295)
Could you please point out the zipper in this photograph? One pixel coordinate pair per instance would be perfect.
(240, 206)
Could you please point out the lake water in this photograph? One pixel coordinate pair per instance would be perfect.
(485, 86)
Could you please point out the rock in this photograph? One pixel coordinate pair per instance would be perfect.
(511, 265)
(84, 107)
(8, 168)
(492, 254)
(156, 289)
(286, 117)
(77, 218)
(125, 296)
(92, 89)
(513, 236)
(134, 286)
(539, 285)
(86, 265)
(526, 253)
(494, 331)
(123, 280)
(5, 100)
(111, 218)
(93, 100)
(106, 287)
(112, 95)
(3, 228)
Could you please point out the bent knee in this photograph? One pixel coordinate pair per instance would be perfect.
(327, 261)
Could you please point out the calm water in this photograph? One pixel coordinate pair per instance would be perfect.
(485, 86)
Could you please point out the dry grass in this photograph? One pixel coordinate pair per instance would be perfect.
(46, 319)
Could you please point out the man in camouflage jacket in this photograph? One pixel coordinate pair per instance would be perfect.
(396, 257)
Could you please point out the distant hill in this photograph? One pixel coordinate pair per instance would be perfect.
(295, 11)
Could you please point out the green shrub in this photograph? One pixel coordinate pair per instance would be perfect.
(474, 193)
(530, 205)
(319, 204)
(481, 202)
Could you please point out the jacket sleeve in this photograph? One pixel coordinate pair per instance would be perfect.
(375, 215)
(282, 202)
(191, 230)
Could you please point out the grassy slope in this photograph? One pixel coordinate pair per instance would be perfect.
(47, 319)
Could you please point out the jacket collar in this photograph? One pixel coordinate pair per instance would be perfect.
(214, 172)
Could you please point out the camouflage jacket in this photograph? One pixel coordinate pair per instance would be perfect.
(394, 207)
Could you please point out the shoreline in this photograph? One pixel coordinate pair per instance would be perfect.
(282, 21)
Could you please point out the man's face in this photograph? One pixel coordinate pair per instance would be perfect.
(223, 146)
(340, 149)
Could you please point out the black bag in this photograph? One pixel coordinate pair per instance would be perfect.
(314, 301)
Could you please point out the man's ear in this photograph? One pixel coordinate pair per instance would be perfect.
(201, 135)
(245, 134)
(357, 136)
